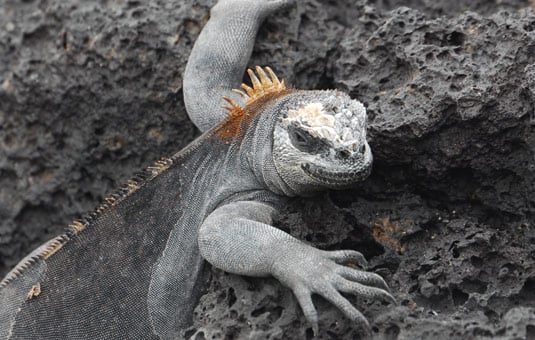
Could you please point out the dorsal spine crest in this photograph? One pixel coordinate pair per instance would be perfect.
(79, 225)
(266, 85)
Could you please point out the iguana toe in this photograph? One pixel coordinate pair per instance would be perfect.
(363, 277)
(331, 294)
(347, 256)
(363, 291)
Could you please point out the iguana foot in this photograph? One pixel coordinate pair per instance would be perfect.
(308, 271)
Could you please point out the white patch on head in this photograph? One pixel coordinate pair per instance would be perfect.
(343, 126)
(312, 114)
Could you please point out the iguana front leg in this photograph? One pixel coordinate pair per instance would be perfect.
(238, 238)
(218, 59)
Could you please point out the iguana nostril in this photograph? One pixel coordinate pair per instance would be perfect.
(343, 154)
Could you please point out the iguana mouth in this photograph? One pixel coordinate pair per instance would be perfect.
(325, 176)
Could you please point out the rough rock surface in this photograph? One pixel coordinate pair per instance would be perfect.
(90, 92)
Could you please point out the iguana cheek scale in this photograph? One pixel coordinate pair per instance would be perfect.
(133, 268)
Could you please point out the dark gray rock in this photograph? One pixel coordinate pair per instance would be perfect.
(90, 92)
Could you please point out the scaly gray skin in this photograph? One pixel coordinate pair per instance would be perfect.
(219, 57)
(133, 268)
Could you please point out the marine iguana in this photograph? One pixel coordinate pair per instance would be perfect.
(132, 268)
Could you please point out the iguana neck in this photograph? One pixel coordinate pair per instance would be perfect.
(245, 161)
(219, 170)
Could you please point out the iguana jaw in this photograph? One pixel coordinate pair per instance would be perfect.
(336, 179)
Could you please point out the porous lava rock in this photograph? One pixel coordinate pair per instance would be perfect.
(90, 92)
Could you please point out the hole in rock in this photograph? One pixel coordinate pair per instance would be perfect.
(530, 332)
(459, 297)
(455, 38)
(392, 332)
(231, 297)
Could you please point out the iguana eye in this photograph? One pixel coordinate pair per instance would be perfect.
(302, 140)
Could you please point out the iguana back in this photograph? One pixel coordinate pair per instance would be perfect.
(98, 272)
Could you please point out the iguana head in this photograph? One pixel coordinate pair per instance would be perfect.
(319, 140)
